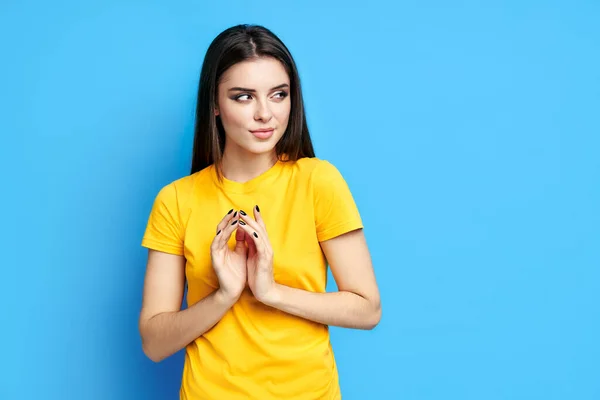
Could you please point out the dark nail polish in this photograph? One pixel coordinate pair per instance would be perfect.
(255, 235)
(230, 211)
(234, 222)
(218, 232)
(257, 209)
(242, 212)
(242, 222)
(234, 214)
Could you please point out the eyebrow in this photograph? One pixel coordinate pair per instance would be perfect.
(241, 89)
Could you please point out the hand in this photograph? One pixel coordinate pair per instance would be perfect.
(259, 263)
(229, 265)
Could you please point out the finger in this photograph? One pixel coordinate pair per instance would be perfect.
(247, 238)
(250, 221)
(255, 234)
(240, 235)
(258, 217)
(240, 241)
(221, 239)
(228, 217)
(255, 225)
(249, 243)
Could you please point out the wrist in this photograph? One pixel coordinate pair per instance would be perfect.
(226, 299)
(273, 297)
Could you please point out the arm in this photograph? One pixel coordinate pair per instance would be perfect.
(164, 327)
(356, 304)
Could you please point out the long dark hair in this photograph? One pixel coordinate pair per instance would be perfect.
(236, 44)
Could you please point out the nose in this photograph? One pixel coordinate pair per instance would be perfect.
(263, 112)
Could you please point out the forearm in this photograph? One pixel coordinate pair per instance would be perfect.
(166, 333)
(342, 308)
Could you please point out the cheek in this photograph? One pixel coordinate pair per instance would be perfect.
(282, 113)
(233, 117)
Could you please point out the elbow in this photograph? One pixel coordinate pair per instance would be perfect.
(155, 358)
(151, 353)
(148, 347)
(373, 317)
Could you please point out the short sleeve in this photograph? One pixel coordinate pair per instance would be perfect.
(164, 230)
(336, 212)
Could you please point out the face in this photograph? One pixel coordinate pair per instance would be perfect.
(254, 105)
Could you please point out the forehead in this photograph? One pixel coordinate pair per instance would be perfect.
(261, 73)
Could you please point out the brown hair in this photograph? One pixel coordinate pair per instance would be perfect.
(234, 45)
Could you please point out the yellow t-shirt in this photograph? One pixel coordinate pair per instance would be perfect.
(255, 351)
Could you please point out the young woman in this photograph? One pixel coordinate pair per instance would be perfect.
(252, 230)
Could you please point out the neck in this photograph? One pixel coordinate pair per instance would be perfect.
(243, 166)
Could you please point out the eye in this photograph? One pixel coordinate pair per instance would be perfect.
(243, 97)
(281, 95)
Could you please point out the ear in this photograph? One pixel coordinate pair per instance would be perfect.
(216, 110)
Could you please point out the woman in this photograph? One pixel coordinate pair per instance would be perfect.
(251, 230)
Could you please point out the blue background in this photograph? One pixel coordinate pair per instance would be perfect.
(468, 132)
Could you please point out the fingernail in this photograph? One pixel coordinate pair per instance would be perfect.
(230, 211)
(234, 214)
(242, 222)
(257, 209)
(242, 212)
(234, 222)
(219, 232)
(255, 235)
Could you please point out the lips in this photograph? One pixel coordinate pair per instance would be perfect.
(263, 133)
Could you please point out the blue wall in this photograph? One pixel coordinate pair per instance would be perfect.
(469, 133)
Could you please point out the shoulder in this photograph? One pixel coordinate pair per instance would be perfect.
(317, 170)
(179, 191)
(322, 175)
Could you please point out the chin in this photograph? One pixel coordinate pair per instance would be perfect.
(260, 148)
